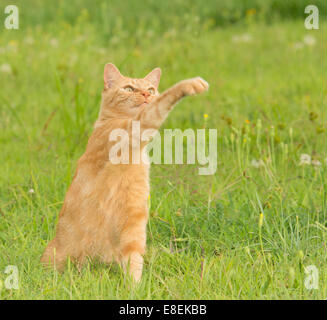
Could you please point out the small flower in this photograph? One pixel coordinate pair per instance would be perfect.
(31, 191)
(12, 46)
(247, 250)
(149, 201)
(316, 163)
(257, 163)
(205, 116)
(13, 43)
(80, 39)
(29, 40)
(267, 205)
(43, 55)
(247, 121)
(305, 159)
(300, 254)
(137, 53)
(298, 45)
(72, 59)
(251, 12)
(54, 42)
(6, 68)
(102, 50)
(150, 33)
(114, 40)
(260, 219)
(309, 40)
(245, 38)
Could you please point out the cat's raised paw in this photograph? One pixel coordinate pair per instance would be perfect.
(194, 86)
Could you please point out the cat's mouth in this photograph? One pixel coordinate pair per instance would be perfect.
(141, 104)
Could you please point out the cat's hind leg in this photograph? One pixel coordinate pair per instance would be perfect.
(54, 255)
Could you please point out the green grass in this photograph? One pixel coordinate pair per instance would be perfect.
(268, 101)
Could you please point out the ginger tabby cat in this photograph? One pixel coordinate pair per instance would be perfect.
(105, 210)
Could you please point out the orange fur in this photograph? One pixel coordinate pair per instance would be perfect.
(105, 211)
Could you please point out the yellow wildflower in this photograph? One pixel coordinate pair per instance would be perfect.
(251, 12)
(260, 219)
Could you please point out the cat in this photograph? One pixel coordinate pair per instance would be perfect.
(105, 211)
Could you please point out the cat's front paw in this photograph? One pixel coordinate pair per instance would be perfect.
(193, 86)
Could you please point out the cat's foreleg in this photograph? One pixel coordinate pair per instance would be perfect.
(155, 114)
(132, 243)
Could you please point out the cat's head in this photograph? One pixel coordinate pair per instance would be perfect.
(123, 96)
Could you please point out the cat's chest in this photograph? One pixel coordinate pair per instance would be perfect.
(130, 179)
(124, 189)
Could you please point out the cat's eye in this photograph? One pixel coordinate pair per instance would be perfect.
(129, 89)
(151, 91)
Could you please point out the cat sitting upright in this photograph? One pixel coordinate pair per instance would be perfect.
(105, 210)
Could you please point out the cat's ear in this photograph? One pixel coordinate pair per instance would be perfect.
(154, 77)
(111, 75)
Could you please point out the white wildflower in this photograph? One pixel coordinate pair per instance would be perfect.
(257, 163)
(80, 38)
(102, 51)
(150, 33)
(54, 42)
(316, 163)
(42, 55)
(29, 40)
(236, 39)
(73, 59)
(245, 38)
(298, 45)
(115, 40)
(305, 159)
(31, 191)
(309, 40)
(6, 68)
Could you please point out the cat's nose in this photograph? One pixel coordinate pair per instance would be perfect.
(145, 94)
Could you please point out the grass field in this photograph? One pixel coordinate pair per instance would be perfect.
(246, 232)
